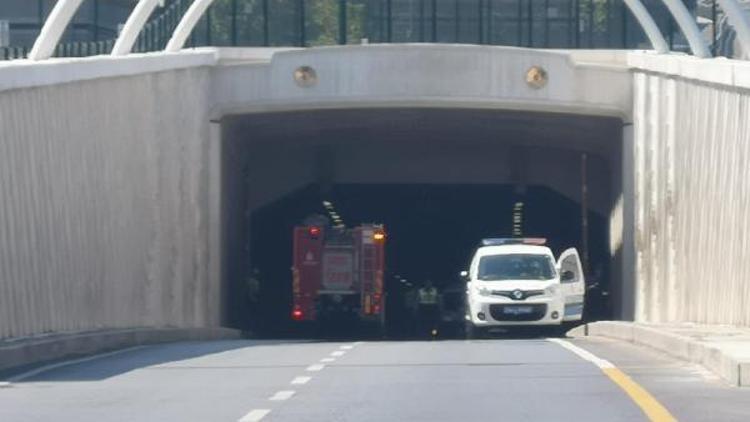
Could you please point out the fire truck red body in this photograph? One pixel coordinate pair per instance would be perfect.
(337, 273)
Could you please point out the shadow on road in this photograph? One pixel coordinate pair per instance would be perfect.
(100, 367)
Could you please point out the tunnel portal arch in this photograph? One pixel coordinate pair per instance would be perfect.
(274, 157)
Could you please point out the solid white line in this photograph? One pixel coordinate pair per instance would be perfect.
(338, 353)
(301, 380)
(328, 360)
(255, 415)
(282, 395)
(585, 354)
(316, 367)
(37, 371)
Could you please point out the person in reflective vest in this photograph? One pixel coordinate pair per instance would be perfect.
(427, 302)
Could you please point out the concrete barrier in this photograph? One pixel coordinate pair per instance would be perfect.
(21, 352)
(723, 350)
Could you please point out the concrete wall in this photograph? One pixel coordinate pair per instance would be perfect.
(110, 178)
(105, 185)
(691, 152)
(109, 167)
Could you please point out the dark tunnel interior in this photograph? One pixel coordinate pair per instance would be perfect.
(433, 220)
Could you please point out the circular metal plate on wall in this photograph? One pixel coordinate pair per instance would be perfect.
(305, 76)
(536, 77)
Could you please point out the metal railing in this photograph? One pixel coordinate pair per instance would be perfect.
(524, 23)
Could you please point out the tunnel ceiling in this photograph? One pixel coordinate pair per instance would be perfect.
(594, 134)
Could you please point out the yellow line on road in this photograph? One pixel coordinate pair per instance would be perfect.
(650, 406)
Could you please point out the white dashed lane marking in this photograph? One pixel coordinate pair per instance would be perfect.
(255, 415)
(327, 360)
(347, 347)
(338, 353)
(282, 395)
(316, 367)
(301, 380)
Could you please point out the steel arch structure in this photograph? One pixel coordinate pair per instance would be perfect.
(64, 11)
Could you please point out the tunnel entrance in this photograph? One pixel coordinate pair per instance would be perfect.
(440, 180)
(432, 232)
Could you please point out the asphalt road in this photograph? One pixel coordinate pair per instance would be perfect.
(499, 379)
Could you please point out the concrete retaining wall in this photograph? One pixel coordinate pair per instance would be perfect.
(105, 219)
(15, 355)
(692, 190)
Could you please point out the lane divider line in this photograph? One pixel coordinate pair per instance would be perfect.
(654, 410)
(37, 371)
(585, 354)
(338, 353)
(315, 368)
(255, 415)
(282, 395)
(301, 380)
(328, 360)
(347, 347)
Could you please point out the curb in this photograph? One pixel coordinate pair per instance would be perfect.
(734, 370)
(19, 353)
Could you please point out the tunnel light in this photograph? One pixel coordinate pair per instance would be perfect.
(327, 204)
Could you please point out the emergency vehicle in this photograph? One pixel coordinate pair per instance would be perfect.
(513, 282)
(337, 274)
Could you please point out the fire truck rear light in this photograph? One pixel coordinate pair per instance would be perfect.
(297, 314)
(314, 231)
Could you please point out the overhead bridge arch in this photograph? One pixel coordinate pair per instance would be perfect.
(64, 10)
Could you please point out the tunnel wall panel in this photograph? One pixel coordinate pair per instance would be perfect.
(692, 197)
(104, 220)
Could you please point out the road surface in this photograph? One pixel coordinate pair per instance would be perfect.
(456, 380)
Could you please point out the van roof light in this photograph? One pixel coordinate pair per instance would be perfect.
(514, 241)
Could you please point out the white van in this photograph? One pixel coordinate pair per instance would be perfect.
(514, 282)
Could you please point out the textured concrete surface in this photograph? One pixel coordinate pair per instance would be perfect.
(724, 350)
(105, 214)
(692, 190)
(509, 379)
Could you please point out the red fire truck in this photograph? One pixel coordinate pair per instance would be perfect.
(337, 274)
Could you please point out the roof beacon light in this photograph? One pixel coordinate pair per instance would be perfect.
(539, 241)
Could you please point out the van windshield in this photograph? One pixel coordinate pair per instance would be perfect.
(516, 267)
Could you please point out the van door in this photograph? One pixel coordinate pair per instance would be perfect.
(573, 286)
